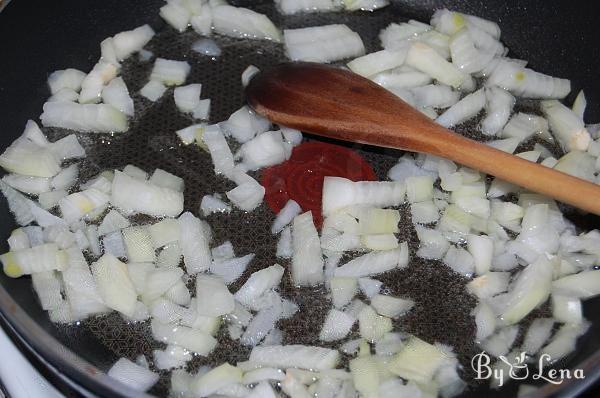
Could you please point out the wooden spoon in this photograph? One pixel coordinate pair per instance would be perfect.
(337, 103)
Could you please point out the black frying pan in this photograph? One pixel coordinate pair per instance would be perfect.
(36, 39)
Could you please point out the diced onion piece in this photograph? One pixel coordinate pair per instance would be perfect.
(117, 95)
(41, 258)
(489, 284)
(27, 184)
(128, 42)
(343, 290)
(207, 384)
(323, 43)
(499, 104)
(171, 357)
(538, 333)
(285, 216)
(417, 360)
(481, 248)
(153, 90)
(67, 78)
(133, 375)
(67, 148)
(579, 104)
(567, 126)
(566, 309)
(583, 285)
(202, 21)
(424, 212)
(194, 340)
(524, 82)
(212, 296)
(365, 375)
(28, 158)
(340, 192)
(485, 320)
(248, 195)
(463, 110)
(375, 263)
(531, 288)
(114, 285)
(435, 95)
(243, 23)
(379, 241)
(419, 189)
(433, 243)
(370, 287)
(427, 60)
(460, 261)
(138, 242)
(92, 85)
(380, 61)
(465, 55)
(372, 326)
(169, 72)
(307, 262)
(390, 306)
(212, 204)
(244, 124)
(175, 15)
(100, 118)
(132, 195)
(266, 149)
(230, 269)
(300, 356)
(79, 204)
(563, 342)
(47, 286)
(501, 342)
(187, 98)
(194, 243)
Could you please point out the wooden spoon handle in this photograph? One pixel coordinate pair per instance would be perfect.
(535, 177)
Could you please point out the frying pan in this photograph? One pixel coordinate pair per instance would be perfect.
(557, 38)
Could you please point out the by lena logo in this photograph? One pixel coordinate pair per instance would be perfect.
(518, 368)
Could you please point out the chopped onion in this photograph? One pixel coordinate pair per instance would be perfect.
(375, 263)
(340, 192)
(153, 90)
(243, 23)
(485, 320)
(194, 340)
(489, 284)
(114, 285)
(101, 118)
(567, 126)
(380, 61)
(464, 109)
(117, 95)
(133, 375)
(194, 244)
(322, 43)
(538, 333)
(187, 98)
(460, 261)
(583, 285)
(390, 306)
(132, 195)
(307, 262)
(67, 78)
(499, 104)
(424, 58)
(370, 287)
(563, 342)
(202, 22)
(531, 288)
(129, 42)
(169, 72)
(175, 15)
(501, 342)
(417, 361)
(266, 149)
(300, 356)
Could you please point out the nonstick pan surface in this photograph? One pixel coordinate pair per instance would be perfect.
(34, 41)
